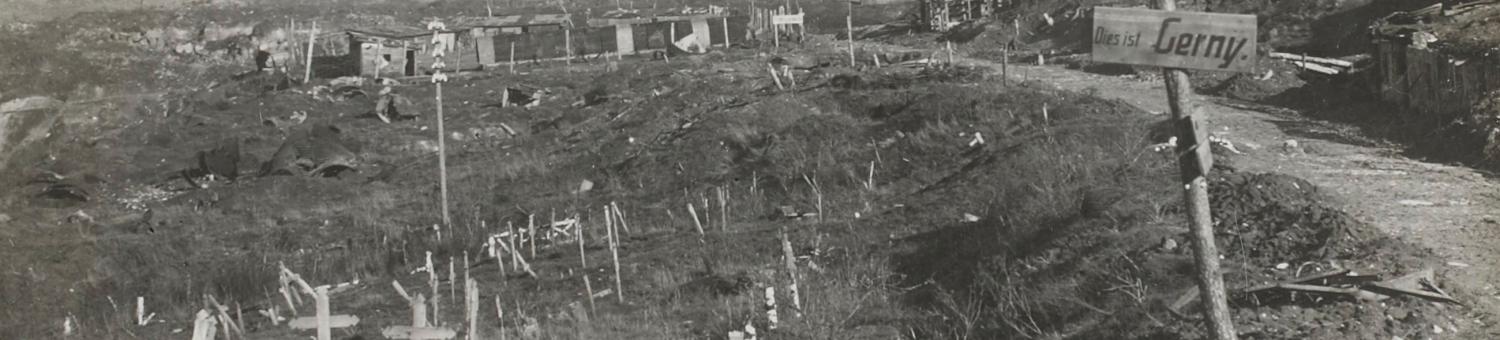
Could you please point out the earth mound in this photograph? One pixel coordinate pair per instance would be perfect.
(1270, 218)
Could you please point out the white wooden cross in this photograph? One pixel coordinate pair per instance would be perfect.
(322, 320)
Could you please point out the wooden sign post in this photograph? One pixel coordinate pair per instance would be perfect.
(785, 19)
(1177, 40)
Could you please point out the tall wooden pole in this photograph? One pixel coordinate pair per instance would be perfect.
(1194, 161)
(437, 80)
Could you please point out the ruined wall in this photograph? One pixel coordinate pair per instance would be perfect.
(1432, 85)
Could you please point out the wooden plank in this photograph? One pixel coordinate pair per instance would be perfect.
(1318, 289)
(1412, 285)
(1302, 57)
(1415, 72)
(486, 46)
(334, 321)
(1210, 41)
(1316, 67)
(415, 333)
(787, 19)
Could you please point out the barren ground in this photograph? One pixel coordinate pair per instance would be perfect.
(1056, 226)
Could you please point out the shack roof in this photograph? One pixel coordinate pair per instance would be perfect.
(1465, 28)
(515, 20)
(390, 31)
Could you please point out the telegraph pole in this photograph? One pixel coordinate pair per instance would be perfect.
(1194, 161)
(438, 46)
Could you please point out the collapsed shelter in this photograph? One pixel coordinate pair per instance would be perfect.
(1439, 60)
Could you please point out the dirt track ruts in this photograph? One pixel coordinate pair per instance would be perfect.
(1375, 184)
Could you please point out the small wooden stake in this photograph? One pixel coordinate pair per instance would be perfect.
(620, 216)
(419, 311)
(471, 301)
(531, 228)
(770, 306)
(950, 52)
(696, 222)
(512, 64)
(452, 283)
(816, 192)
(790, 259)
(500, 315)
(723, 209)
(614, 252)
(515, 256)
(775, 77)
(583, 257)
(312, 36)
(589, 287)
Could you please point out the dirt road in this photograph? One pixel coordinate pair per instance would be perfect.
(1453, 210)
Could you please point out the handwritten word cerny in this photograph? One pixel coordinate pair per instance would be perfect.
(1198, 44)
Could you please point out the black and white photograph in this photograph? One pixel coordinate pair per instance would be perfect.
(750, 169)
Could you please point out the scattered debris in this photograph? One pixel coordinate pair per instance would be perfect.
(584, 186)
(1168, 245)
(1420, 284)
(347, 81)
(296, 118)
(1164, 146)
(1224, 144)
(1292, 146)
(389, 107)
(522, 95)
(313, 152)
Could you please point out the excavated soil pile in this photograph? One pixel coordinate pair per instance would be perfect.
(1271, 218)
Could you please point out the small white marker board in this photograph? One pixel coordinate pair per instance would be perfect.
(787, 19)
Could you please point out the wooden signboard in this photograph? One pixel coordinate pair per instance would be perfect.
(787, 19)
(1208, 41)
